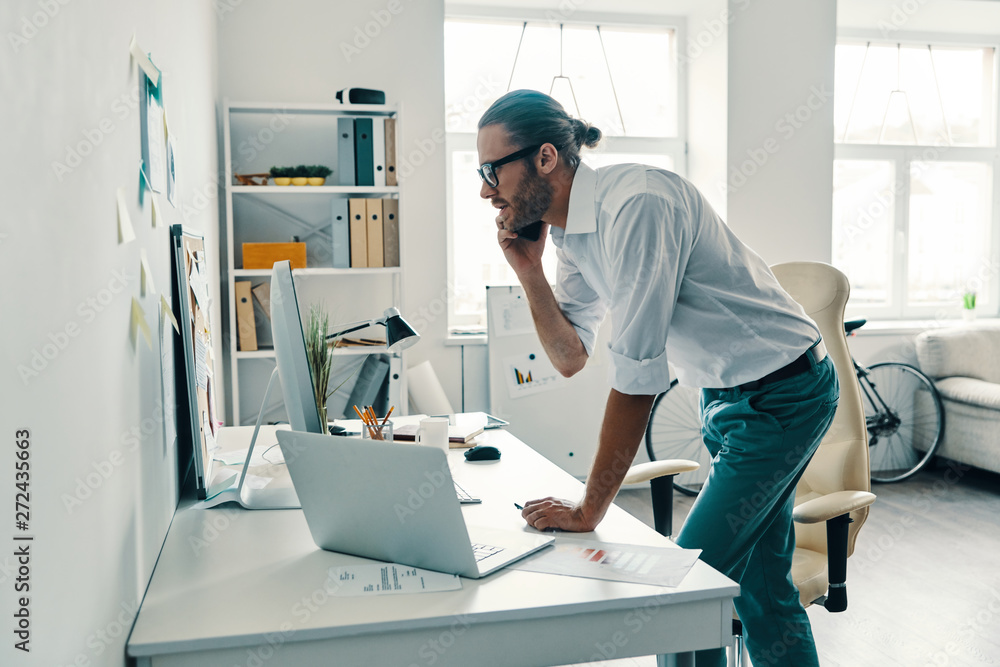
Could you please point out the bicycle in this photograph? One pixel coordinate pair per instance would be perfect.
(903, 414)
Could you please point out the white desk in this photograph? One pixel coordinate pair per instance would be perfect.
(238, 587)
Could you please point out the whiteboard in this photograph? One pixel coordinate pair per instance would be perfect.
(559, 417)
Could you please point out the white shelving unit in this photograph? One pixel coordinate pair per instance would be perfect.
(258, 135)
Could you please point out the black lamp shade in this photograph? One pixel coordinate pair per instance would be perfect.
(399, 335)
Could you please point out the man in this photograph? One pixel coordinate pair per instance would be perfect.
(645, 246)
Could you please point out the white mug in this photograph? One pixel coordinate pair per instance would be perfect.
(433, 432)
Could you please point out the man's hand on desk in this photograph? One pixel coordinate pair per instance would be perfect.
(549, 513)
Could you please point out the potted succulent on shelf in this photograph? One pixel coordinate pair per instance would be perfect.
(318, 174)
(281, 175)
(300, 175)
(969, 306)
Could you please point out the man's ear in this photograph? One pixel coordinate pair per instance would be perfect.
(547, 158)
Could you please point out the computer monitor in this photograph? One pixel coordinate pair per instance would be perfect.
(290, 352)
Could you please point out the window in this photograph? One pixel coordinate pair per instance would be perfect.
(590, 69)
(914, 225)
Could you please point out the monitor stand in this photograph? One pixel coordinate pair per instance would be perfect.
(250, 498)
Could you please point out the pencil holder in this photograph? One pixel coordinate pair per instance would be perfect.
(382, 432)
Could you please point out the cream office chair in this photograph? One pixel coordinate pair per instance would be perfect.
(835, 489)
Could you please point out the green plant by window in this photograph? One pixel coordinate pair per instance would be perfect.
(969, 301)
(319, 171)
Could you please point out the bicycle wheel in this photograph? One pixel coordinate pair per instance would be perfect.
(905, 419)
(674, 432)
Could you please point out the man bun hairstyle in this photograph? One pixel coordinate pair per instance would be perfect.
(531, 117)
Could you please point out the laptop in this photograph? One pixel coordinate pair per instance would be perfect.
(393, 502)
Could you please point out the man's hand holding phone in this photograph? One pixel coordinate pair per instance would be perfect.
(523, 249)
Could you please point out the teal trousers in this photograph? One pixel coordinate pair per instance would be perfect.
(761, 441)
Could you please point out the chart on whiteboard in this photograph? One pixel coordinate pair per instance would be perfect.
(530, 373)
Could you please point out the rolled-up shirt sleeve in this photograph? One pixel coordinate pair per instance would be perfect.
(581, 305)
(646, 257)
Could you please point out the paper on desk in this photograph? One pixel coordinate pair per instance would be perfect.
(390, 579)
(658, 566)
(238, 456)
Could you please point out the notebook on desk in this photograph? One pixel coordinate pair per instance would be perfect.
(396, 503)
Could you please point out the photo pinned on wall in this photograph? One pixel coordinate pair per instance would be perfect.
(171, 170)
(152, 133)
(530, 373)
(512, 315)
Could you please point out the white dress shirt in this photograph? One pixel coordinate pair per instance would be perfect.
(646, 245)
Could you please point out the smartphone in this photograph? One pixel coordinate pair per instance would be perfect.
(531, 232)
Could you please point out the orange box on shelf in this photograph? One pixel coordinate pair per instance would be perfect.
(264, 255)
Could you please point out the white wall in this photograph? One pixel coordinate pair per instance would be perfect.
(780, 179)
(102, 486)
(305, 51)
(890, 17)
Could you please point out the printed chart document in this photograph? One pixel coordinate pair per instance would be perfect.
(658, 566)
(389, 579)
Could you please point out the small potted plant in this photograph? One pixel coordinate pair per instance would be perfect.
(300, 175)
(318, 174)
(969, 306)
(281, 175)
(320, 358)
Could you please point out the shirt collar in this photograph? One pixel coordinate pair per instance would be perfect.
(581, 217)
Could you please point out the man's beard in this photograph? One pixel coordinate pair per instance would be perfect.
(532, 200)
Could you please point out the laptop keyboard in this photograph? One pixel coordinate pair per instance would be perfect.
(482, 551)
(464, 496)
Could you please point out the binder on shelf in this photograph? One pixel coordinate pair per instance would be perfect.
(390, 151)
(345, 151)
(246, 324)
(364, 162)
(378, 151)
(359, 232)
(341, 235)
(390, 231)
(373, 208)
(262, 293)
(374, 372)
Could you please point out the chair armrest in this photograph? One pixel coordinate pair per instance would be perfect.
(832, 505)
(644, 472)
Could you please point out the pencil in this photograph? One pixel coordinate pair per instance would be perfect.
(387, 415)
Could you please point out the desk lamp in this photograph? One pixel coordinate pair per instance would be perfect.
(399, 335)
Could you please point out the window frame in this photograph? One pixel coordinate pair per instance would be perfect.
(675, 147)
(901, 156)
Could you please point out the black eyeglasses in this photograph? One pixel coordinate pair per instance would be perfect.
(488, 171)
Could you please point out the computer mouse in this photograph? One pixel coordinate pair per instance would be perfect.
(482, 453)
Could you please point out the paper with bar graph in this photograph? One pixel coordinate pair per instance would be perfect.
(658, 566)
(530, 373)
